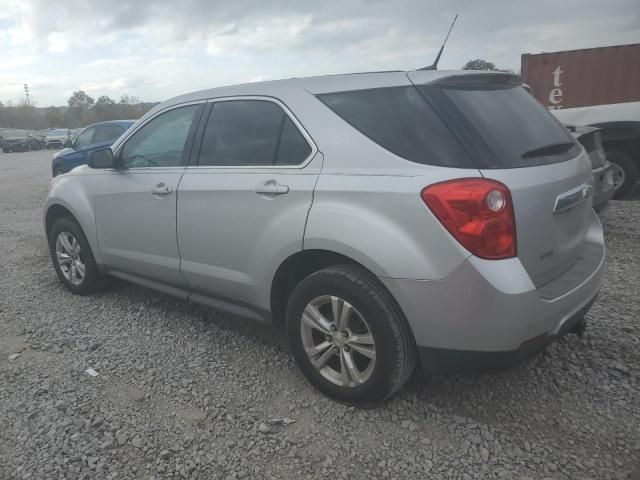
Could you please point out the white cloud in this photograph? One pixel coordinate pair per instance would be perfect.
(158, 49)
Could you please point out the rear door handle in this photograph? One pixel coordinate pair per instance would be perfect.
(271, 188)
(161, 189)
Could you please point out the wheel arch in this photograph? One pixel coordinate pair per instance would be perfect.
(55, 212)
(301, 264)
(57, 208)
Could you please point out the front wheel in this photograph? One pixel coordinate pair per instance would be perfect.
(348, 336)
(72, 257)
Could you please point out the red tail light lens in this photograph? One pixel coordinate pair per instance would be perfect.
(478, 213)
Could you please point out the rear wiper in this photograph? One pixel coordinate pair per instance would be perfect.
(548, 150)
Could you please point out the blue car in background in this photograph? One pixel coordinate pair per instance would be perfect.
(94, 137)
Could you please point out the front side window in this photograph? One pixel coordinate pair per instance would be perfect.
(162, 141)
(106, 133)
(86, 137)
(251, 133)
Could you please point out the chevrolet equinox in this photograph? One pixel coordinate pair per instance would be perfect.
(383, 219)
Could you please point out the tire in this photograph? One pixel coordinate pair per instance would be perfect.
(92, 280)
(57, 171)
(628, 168)
(374, 311)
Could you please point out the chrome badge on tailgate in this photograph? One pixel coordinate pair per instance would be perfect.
(572, 197)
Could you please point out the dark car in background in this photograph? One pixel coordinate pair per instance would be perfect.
(57, 138)
(94, 137)
(19, 141)
(603, 172)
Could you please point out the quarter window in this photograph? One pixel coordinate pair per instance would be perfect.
(162, 141)
(251, 133)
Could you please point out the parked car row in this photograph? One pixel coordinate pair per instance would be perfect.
(21, 141)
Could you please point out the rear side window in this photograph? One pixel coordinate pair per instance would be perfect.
(515, 126)
(401, 121)
(251, 133)
(293, 148)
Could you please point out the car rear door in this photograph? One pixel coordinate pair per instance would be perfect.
(243, 205)
(513, 139)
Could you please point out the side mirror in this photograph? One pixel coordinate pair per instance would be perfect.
(102, 159)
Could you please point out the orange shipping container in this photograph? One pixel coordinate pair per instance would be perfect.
(580, 78)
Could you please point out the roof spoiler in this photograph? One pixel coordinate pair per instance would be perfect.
(434, 65)
(481, 78)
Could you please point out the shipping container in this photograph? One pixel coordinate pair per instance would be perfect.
(580, 78)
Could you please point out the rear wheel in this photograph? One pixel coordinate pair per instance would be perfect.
(72, 257)
(626, 173)
(348, 337)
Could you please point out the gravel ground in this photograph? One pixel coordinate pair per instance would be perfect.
(184, 392)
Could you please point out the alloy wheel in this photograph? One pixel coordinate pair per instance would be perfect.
(69, 258)
(338, 341)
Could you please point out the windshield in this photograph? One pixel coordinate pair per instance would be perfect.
(517, 129)
(57, 133)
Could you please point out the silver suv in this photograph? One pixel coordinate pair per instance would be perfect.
(380, 218)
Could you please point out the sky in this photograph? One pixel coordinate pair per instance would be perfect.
(158, 49)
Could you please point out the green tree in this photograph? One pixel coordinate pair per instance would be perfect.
(480, 64)
(104, 100)
(54, 117)
(80, 100)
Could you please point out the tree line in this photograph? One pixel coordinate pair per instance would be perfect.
(81, 110)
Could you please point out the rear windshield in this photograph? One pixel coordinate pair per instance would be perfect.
(518, 130)
(401, 121)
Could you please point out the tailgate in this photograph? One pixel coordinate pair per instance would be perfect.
(513, 139)
(552, 205)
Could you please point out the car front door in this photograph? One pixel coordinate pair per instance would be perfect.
(136, 205)
(242, 208)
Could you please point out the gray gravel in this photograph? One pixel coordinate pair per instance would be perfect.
(184, 392)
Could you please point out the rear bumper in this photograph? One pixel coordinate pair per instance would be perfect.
(441, 360)
(488, 314)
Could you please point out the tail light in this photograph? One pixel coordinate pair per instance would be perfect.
(478, 213)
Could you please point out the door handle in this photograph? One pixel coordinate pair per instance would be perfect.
(161, 189)
(271, 188)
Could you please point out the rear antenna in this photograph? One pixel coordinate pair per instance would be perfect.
(435, 64)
